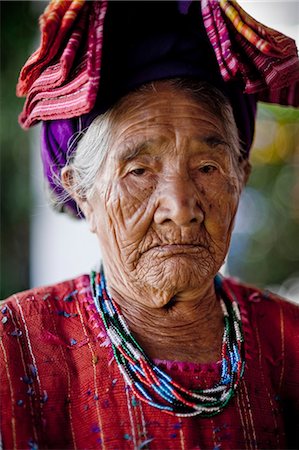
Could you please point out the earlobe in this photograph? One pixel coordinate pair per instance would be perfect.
(246, 171)
(67, 180)
(88, 212)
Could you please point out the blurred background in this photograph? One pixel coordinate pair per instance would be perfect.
(39, 246)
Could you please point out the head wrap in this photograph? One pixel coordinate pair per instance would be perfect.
(93, 53)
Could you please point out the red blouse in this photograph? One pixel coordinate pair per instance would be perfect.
(61, 388)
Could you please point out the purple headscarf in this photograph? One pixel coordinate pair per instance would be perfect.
(59, 140)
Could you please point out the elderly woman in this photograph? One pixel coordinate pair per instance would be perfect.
(155, 350)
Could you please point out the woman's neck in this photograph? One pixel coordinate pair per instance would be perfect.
(182, 330)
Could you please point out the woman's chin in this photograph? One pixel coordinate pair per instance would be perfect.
(177, 274)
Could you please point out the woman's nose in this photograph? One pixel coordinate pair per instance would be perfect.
(178, 203)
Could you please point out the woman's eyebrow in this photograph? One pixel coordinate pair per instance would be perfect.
(212, 140)
(131, 149)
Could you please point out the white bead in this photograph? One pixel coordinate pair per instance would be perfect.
(237, 310)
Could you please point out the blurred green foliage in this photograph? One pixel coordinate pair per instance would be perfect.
(18, 26)
(265, 245)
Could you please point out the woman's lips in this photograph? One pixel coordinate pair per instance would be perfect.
(177, 249)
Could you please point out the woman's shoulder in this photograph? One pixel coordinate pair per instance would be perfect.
(36, 324)
(39, 303)
(271, 341)
(271, 314)
(62, 291)
(262, 300)
(270, 325)
(47, 338)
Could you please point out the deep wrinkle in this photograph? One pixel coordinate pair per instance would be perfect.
(130, 150)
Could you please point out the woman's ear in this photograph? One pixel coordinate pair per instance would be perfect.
(246, 170)
(67, 181)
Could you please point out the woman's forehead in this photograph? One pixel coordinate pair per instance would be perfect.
(162, 96)
(164, 115)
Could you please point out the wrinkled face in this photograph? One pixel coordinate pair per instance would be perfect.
(166, 197)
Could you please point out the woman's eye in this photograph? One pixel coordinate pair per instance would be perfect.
(139, 171)
(207, 169)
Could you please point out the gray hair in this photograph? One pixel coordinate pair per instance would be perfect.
(92, 149)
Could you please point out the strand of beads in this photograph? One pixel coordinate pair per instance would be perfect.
(152, 385)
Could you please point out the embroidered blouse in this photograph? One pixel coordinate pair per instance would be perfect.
(61, 387)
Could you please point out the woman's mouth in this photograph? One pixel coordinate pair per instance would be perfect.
(178, 249)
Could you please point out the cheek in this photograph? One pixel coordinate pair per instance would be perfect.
(220, 204)
(134, 194)
(128, 212)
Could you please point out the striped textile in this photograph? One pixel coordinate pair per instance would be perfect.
(61, 387)
(57, 23)
(268, 60)
(61, 79)
(264, 58)
(217, 31)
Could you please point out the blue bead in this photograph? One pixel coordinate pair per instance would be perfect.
(224, 368)
(165, 408)
(142, 390)
(236, 353)
(163, 374)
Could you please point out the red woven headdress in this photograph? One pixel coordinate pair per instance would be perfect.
(61, 79)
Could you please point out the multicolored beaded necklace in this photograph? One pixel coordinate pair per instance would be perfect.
(152, 385)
